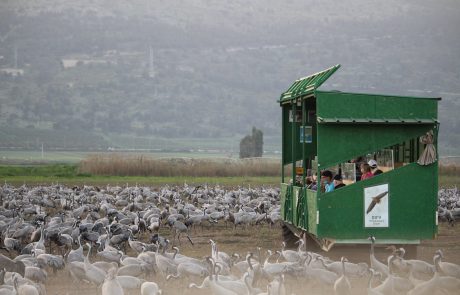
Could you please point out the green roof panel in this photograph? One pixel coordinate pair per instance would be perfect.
(306, 86)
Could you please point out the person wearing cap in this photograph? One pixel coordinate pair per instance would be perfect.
(338, 181)
(327, 185)
(366, 171)
(373, 164)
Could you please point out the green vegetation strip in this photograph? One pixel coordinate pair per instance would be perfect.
(139, 180)
(69, 175)
(63, 170)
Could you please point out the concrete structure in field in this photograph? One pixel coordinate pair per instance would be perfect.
(12, 71)
(71, 62)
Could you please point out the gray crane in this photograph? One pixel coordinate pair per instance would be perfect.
(180, 228)
(12, 266)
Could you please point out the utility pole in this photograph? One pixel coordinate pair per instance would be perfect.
(15, 56)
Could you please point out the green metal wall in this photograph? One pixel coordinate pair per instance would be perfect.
(355, 105)
(285, 201)
(340, 214)
(310, 148)
(296, 195)
(299, 206)
(340, 143)
(312, 203)
(412, 206)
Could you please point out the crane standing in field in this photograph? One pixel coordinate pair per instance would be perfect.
(179, 228)
(223, 274)
(12, 266)
(111, 286)
(375, 264)
(342, 286)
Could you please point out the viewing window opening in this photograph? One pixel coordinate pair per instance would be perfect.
(369, 166)
(357, 169)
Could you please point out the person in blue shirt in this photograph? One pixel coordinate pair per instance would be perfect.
(327, 185)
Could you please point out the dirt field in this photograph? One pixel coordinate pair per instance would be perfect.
(243, 240)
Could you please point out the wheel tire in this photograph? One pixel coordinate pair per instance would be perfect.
(289, 237)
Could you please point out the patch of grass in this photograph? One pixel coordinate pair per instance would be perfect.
(61, 170)
(140, 180)
(449, 181)
(35, 157)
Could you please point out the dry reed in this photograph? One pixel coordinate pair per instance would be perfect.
(141, 165)
(449, 170)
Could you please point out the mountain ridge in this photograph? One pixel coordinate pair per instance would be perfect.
(218, 68)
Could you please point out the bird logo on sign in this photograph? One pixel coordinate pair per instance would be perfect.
(375, 201)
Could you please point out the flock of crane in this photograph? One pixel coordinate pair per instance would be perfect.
(449, 205)
(46, 230)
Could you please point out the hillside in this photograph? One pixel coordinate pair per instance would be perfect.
(217, 67)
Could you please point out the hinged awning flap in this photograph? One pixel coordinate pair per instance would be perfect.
(307, 85)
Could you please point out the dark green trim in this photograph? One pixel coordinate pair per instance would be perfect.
(294, 139)
(375, 121)
(283, 143)
(304, 166)
(307, 85)
(377, 94)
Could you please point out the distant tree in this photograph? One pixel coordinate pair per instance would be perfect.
(258, 138)
(246, 147)
(252, 145)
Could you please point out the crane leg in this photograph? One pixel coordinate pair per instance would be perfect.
(188, 237)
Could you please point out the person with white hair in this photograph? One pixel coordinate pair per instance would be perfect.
(375, 170)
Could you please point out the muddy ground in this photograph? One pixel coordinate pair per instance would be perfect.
(243, 240)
